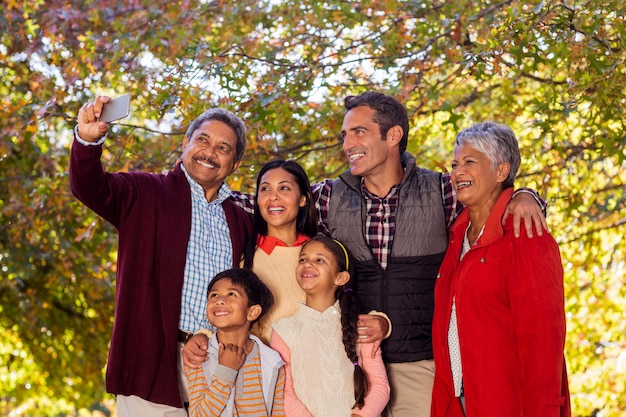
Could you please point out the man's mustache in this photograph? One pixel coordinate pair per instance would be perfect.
(208, 160)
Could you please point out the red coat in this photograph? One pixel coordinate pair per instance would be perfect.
(152, 214)
(511, 322)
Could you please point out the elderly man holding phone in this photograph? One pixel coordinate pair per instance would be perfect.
(175, 232)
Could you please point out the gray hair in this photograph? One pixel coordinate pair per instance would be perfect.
(495, 140)
(227, 118)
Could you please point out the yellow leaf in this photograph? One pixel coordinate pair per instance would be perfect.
(12, 4)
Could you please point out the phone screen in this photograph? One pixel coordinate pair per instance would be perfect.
(115, 109)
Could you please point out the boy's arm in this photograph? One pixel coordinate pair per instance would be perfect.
(278, 408)
(205, 400)
(293, 405)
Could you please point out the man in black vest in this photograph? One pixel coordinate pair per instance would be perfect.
(393, 216)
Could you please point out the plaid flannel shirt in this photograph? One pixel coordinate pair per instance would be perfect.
(380, 222)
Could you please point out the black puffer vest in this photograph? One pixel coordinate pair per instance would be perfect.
(404, 291)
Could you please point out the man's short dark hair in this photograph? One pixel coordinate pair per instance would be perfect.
(389, 113)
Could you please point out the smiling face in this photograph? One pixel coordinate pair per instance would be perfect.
(364, 146)
(317, 271)
(474, 179)
(228, 306)
(279, 199)
(209, 154)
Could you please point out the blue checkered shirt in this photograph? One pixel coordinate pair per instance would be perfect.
(209, 252)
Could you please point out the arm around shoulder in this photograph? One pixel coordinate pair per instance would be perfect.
(527, 205)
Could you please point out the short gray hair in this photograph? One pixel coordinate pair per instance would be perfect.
(495, 140)
(227, 118)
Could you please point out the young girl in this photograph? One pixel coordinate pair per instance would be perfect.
(327, 373)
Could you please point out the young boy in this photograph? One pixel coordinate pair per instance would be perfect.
(242, 377)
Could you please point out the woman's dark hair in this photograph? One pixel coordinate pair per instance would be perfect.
(306, 222)
(350, 310)
(256, 291)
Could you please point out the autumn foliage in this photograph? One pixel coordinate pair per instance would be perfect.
(553, 70)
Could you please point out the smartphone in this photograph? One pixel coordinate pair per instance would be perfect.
(115, 109)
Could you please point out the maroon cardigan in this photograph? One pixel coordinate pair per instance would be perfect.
(152, 214)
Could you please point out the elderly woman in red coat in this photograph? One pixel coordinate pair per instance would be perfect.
(499, 323)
